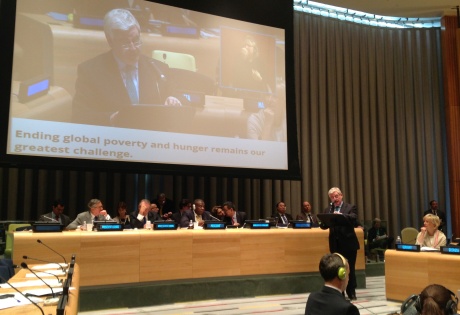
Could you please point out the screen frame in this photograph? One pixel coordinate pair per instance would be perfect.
(277, 15)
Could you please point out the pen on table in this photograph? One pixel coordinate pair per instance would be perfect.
(6, 296)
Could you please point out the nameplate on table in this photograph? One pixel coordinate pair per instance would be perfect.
(408, 247)
(258, 224)
(47, 227)
(214, 225)
(165, 226)
(299, 224)
(109, 226)
(453, 250)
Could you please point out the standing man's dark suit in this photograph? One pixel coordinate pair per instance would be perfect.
(329, 301)
(100, 90)
(343, 239)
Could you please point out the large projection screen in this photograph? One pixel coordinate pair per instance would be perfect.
(201, 87)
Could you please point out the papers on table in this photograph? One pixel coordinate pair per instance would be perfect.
(17, 300)
(32, 283)
(48, 273)
(428, 249)
(49, 266)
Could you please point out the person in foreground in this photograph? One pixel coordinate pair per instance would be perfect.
(343, 239)
(334, 269)
(429, 235)
(435, 299)
(96, 212)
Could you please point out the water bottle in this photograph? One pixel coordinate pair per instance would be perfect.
(148, 225)
(398, 240)
(190, 225)
(84, 225)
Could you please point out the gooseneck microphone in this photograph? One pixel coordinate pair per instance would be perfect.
(49, 273)
(50, 262)
(52, 250)
(332, 207)
(213, 217)
(24, 265)
(15, 289)
(51, 219)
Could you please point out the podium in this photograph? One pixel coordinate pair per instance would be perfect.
(332, 220)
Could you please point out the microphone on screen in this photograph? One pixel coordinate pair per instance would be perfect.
(52, 250)
(15, 289)
(24, 265)
(50, 262)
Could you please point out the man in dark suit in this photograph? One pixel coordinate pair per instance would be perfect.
(343, 239)
(198, 214)
(145, 212)
(281, 215)
(442, 216)
(184, 205)
(307, 215)
(233, 217)
(96, 212)
(334, 270)
(165, 205)
(57, 214)
(119, 78)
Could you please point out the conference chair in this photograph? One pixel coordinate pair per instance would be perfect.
(8, 263)
(9, 238)
(409, 235)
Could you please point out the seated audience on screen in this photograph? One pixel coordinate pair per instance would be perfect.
(145, 212)
(121, 77)
(334, 270)
(96, 212)
(377, 236)
(429, 235)
(198, 214)
(122, 216)
(306, 214)
(281, 215)
(233, 217)
(434, 209)
(217, 212)
(56, 214)
(165, 206)
(435, 299)
(184, 205)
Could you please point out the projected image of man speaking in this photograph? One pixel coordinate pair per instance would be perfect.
(119, 78)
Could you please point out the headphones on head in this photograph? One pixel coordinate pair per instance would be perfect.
(449, 309)
(342, 270)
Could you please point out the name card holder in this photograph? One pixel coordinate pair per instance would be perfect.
(164, 225)
(453, 250)
(408, 247)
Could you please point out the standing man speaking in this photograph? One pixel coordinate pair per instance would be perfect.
(342, 239)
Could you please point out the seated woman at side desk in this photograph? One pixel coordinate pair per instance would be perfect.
(429, 235)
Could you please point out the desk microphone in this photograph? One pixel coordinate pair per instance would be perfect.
(15, 289)
(332, 207)
(24, 265)
(49, 273)
(52, 250)
(50, 262)
(213, 217)
(51, 219)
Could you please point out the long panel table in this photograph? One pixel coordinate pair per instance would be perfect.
(135, 256)
(409, 273)
(71, 307)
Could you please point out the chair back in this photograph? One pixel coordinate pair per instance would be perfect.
(409, 235)
(9, 238)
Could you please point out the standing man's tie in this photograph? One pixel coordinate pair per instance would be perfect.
(130, 77)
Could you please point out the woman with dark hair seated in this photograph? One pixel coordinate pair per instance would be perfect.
(435, 299)
(122, 216)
